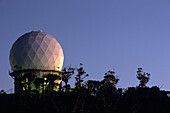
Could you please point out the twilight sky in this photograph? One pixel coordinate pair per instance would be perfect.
(102, 34)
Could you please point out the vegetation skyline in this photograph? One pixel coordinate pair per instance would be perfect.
(121, 35)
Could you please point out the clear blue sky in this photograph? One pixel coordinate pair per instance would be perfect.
(102, 34)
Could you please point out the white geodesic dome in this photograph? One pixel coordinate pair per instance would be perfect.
(36, 50)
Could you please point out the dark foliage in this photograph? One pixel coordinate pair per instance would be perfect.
(66, 75)
(142, 77)
(109, 100)
(92, 97)
(81, 75)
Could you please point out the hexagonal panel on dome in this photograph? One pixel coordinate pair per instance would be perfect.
(36, 50)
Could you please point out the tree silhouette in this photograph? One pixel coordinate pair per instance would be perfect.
(28, 78)
(38, 82)
(2, 92)
(110, 79)
(80, 76)
(66, 75)
(25, 80)
(93, 86)
(142, 77)
(51, 84)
